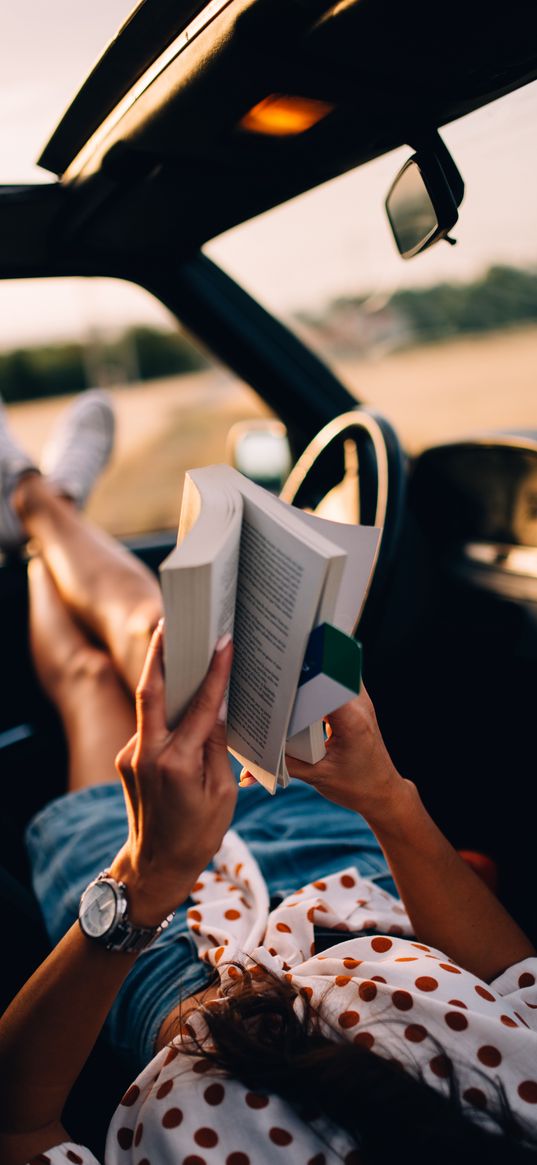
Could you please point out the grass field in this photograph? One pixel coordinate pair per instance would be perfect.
(430, 394)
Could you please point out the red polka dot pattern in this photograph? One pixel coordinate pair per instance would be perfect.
(426, 983)
(440, 1066)
(484, 994)
(475, 1097)
(214, 1094)
(256, 1100)
(172, 1118)
(206, 1138)
(405, 1010)
(132, 1094)
(456, 1021)
(74, 1157)
(348, 1019)
(367, 991)
(164, 1089)
(280, 1136)
(364, 1040)
(528, 1091)
(124, 1137)
(416, 1033)
(402, 1000)
(489, 1055)
(381, 944)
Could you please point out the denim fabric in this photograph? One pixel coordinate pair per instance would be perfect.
(295, 837)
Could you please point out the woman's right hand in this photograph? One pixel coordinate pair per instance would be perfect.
(179, 790)
(357, 771)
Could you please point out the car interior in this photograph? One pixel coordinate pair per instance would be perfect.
(198, 117)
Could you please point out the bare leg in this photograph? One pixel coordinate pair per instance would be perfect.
(81, 680)
(109, 591)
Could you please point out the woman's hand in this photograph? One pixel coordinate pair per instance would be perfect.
(179, 789)
(357, 771)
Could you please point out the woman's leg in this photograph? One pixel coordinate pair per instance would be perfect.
(110, 592)
(81, 680)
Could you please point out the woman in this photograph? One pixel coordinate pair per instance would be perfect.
(294, 1007)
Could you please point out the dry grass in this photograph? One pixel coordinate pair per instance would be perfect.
(430, 394)
(451, 389)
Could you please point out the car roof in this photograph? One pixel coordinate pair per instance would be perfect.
(162, 109)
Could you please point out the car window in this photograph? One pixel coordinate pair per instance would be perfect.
(442, 344)
(174, 405)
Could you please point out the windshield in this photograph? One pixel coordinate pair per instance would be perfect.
(445, 343)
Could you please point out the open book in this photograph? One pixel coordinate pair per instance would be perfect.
(248, 563)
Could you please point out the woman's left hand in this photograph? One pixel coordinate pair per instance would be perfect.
(179, 789)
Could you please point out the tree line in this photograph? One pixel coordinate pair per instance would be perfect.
(139, 353)
(502, 297)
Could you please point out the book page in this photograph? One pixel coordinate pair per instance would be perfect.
(361, 544)
(279, 588)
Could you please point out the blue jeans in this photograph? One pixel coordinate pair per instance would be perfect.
(295, 837)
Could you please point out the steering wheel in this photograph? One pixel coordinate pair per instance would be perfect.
(355, 464)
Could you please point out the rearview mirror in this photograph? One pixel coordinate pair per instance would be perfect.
(422, 201)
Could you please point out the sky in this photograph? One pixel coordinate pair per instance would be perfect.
(334, 240)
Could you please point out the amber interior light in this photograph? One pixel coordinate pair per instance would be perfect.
(282, 116)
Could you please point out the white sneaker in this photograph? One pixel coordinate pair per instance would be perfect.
(80, 446)
(13, 463)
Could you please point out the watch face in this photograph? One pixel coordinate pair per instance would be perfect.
(98, 909)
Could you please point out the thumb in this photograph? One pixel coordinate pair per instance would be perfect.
(204, 719)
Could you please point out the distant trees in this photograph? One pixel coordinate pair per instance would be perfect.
(53, 370)
(502, 297)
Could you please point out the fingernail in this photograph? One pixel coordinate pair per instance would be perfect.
(222, 712)
(222, 642)
(160, 625)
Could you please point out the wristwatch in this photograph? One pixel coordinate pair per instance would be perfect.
(102, 916)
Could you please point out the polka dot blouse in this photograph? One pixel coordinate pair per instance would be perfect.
(388, 993)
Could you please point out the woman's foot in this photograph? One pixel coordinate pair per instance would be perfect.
(80, 446)
(14, 465)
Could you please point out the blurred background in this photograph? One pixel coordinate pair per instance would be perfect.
(444, 345)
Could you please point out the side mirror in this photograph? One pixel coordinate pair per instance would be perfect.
(260, 450)
(422, 201)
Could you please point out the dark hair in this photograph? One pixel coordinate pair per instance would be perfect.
(389, 1112)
